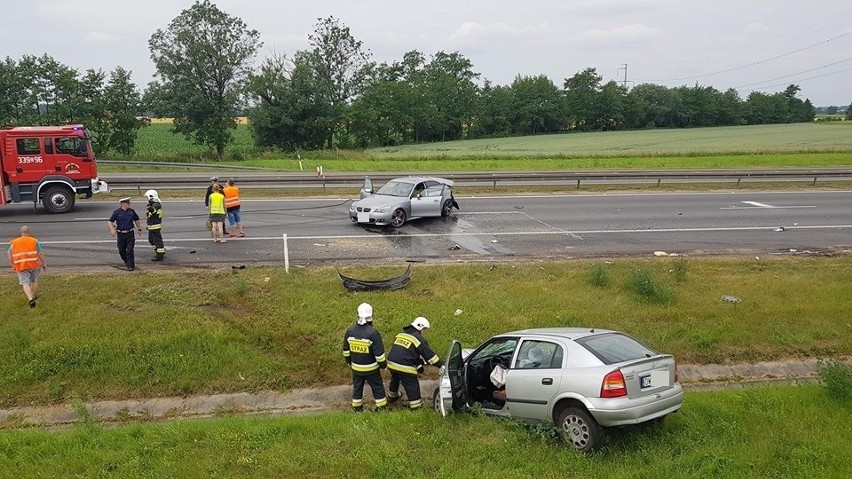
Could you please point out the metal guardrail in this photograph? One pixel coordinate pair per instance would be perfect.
(291, 180)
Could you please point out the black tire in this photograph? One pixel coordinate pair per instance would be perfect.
(398, 218)
(58, 199)
(579, 429)
(447, 208)
(436, 400)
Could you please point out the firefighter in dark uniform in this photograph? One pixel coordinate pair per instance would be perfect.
(364, 351)
(409, 353)
(155, 224)
(121, 225)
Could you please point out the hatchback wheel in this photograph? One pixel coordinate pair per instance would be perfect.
(579, 429)
(398, 218)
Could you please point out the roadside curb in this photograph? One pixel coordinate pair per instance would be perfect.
(313, 400)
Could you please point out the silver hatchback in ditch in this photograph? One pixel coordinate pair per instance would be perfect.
(582, 380)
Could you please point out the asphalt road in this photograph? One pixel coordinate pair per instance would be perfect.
(486, 228)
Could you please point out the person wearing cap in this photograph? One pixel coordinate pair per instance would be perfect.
(121, 225)
(364, 352)
(409, 353)
(214, 181)
(27, 260)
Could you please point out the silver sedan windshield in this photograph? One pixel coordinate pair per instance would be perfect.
(395, 188)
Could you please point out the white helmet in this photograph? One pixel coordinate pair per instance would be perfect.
(365, 313)
(151, 195)
(420, 323)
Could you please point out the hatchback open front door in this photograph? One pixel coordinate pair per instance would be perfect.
(452, 389)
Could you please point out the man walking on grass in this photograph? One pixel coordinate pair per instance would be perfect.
(27, 260)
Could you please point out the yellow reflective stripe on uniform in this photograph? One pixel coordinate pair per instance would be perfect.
(380, 358)
(359, 345)
(406, 340)
(381, 402)
(346, 354)
(364, 368)
(155, 227)
(415, 404)
(434, 359)
(402, 368)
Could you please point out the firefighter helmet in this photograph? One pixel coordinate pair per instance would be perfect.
(365, 313)
(420, 323)
(151, 195)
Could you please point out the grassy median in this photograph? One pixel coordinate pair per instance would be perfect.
(789, 432)
(102, 335)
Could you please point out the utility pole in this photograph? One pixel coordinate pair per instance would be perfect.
(624, 67)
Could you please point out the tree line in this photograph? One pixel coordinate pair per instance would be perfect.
(334, 95)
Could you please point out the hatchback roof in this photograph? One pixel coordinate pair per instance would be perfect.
(571, 333)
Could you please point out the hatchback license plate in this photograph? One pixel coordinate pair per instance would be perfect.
(656, 379)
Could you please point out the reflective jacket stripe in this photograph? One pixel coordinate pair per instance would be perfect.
(365, 368)
(402, 368)
(232, 196)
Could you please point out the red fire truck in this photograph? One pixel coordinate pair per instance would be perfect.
(51, 164)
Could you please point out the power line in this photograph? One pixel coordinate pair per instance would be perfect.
(754, 63)
(793, 74)
(808, 78)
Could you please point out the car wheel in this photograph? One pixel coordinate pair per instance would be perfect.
(579, 429)
(436, 401)
(398, 218)
(447, 208)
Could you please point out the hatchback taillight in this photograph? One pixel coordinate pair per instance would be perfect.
(613, 385)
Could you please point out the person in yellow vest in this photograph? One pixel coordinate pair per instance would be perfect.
(27, 260)
(217, 214)
(232, 204)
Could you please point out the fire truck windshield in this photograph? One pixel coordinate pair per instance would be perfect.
(72, 145)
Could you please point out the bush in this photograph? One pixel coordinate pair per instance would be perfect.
(836, 378)
(598, 275)
(679, 270)
(644, 284)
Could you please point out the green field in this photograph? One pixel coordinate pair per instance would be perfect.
(724, 147)
(779, 432)
(261, 328)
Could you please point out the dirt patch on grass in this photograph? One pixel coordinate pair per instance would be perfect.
(315, 400)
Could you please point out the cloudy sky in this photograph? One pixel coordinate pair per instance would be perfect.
(748, 45)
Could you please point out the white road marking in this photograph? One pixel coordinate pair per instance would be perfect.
(483, 233)
(764, 207)
(755, 203)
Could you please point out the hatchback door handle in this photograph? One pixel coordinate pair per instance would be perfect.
(547, 381)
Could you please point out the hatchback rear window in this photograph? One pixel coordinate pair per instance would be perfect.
(614, 348)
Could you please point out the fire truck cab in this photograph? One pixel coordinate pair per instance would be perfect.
(50, 164)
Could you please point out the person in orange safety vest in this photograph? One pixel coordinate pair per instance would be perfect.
(27, 259)
(232, 205)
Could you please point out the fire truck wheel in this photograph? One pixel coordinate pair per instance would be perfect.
(58, 199)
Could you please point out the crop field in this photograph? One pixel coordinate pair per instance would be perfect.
(765, 145)
(156, 142)
(797, 137)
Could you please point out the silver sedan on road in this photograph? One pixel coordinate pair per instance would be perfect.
(582, 380)
(403, 199)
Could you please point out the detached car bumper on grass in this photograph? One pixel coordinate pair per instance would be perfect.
(580, 380)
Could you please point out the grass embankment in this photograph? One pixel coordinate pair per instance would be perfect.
(790, 432)
(98, 336)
